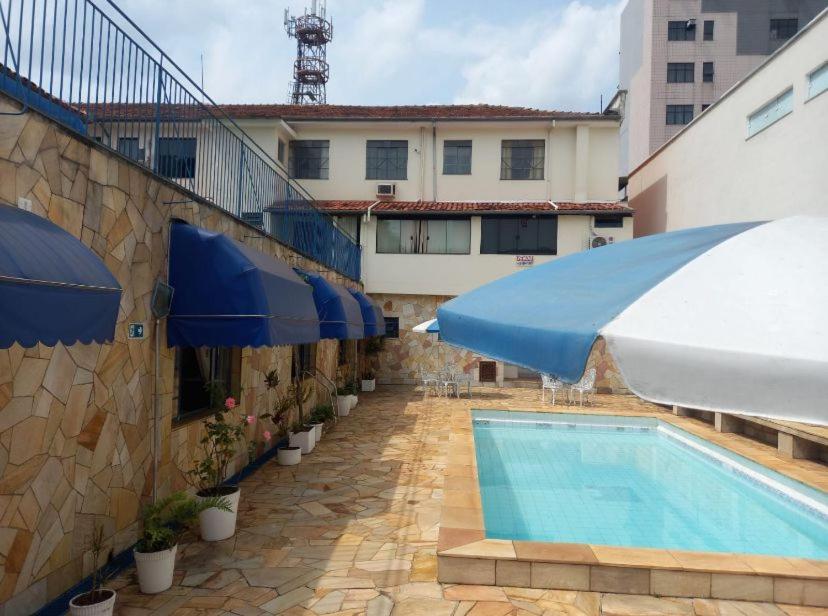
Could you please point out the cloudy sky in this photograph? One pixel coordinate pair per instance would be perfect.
(556, 54)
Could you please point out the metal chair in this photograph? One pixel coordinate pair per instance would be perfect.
(552, 384)
(429, 380)
(463, 380)
(585, 385)
(448, 383)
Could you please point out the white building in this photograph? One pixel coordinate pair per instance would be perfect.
(442, 199)
(759, 153)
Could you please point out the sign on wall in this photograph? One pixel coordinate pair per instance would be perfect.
(524, 260)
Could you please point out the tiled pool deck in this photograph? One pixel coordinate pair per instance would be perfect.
(354, 530)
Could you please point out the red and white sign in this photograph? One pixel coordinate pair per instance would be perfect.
(524, 260)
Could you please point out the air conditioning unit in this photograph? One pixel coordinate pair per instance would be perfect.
(596, 241)
(386, 190)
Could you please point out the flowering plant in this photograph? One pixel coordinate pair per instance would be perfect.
(221, 437)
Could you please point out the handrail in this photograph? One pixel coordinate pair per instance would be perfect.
(74, 63)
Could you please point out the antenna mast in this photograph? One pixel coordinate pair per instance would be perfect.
(312, 32)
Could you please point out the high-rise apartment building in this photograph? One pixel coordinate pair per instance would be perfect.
(679, 56)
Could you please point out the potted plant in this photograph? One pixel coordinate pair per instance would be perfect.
(98, 601)
(343, 401)
(369, 381)
(303, 437)
(352, 393)
(289, 454)
(164, 523)
(219, 445)
(319, 416)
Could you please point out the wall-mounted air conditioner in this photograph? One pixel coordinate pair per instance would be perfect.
(386, 190)
(596, 241)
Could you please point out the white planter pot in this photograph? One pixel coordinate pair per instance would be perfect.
(354, 400)
(318, 427)
(104, 608)
(216, 524)
(155, 570)
(369, 384)
(305, 440)
(288, 457)
(343, 405)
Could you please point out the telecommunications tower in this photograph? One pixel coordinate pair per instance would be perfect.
(312, 32)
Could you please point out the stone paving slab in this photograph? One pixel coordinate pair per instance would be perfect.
(354, 528)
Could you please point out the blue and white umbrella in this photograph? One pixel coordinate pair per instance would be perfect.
(730, 318)
(427, 327)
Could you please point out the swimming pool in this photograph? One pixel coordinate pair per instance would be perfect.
(636, 482)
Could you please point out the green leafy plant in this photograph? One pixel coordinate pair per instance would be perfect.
(219, 444)
(322, 413)
(368, 375)
(374, 345)
(170, 517)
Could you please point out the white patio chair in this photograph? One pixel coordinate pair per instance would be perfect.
(463, 380)
(552, 384)
(429, 380)
(448, 383)
(586, 385)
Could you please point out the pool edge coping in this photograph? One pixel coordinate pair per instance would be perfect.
(461, 537)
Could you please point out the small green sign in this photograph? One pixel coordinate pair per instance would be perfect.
(136, 331)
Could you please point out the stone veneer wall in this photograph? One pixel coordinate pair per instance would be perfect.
(75, 422)
(401, 359)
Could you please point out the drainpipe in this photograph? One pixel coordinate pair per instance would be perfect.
(434, 160)
(421, 193)
(548, 161)
(155, 412)
(371, 207)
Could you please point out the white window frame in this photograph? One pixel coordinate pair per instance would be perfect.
(812, 95)
(771, 107)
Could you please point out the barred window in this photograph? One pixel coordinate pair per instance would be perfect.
(457, 157)
(309, 159)
(177, 157)
(522, 159)
(386, 160)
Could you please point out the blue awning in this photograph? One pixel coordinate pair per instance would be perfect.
(380, 316)
(373, 325)
(227, 294)
(52, 287)
(548, 317)
(340, 315)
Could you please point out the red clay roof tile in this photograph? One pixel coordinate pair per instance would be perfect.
(570, 207)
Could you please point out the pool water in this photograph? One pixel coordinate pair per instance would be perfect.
(637, 482)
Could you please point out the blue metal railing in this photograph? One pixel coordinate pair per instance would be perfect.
(101, 76)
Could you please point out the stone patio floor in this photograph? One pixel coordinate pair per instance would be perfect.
(353, 530)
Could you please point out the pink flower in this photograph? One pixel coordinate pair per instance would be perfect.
(230, 403)
(267, 435)
(250, 420)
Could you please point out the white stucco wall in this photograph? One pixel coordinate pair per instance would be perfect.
(713, 173)
(425, 274)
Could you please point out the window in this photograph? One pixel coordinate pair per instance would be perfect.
(707, 72)
(424, 236)
(818, 81)
(783, 29)
(128, 146)
(522, 159)
(512, 235)
(392, 327)
(201, 372)
(679, 114)
(304, 360)
(176, 157)
(349, 225)
(684, 30)
(610, 221)
(309, 159)
(457, 157)
(708, 30)
(705, 106)
(776, 109)
(386, 160)
(280, 151)
(680, 72)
